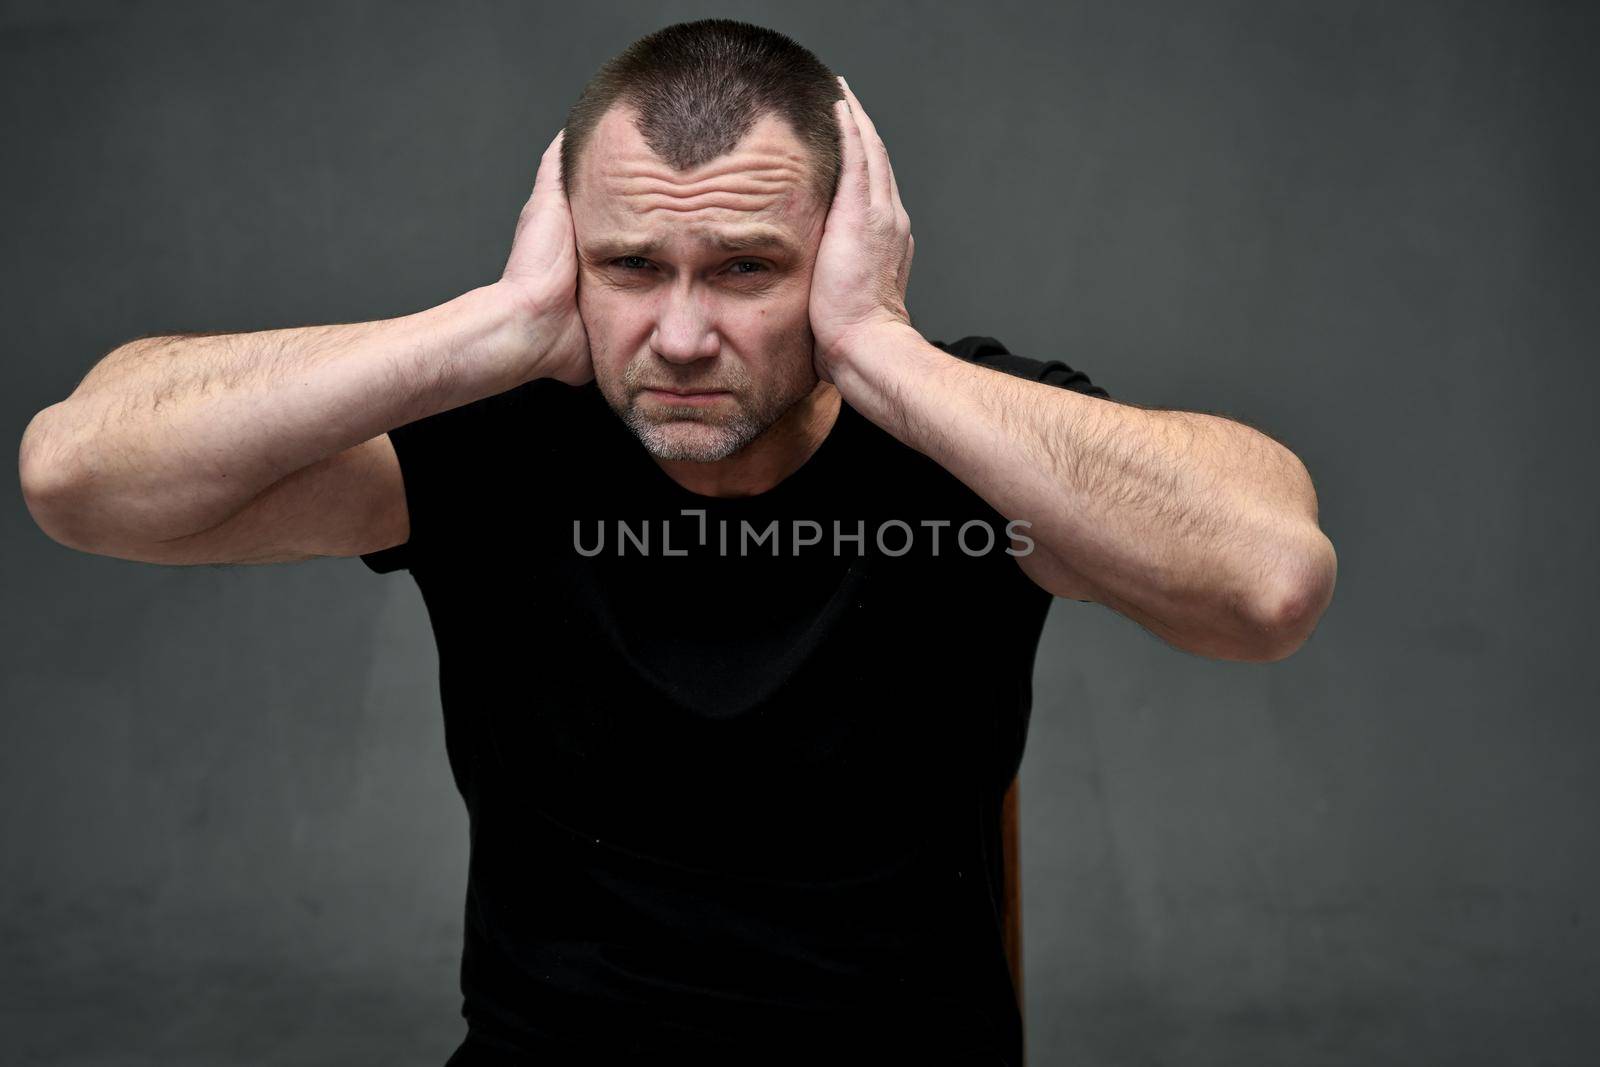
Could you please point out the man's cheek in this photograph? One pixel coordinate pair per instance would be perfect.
(600, 309)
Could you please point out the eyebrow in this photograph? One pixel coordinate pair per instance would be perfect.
(744, 239)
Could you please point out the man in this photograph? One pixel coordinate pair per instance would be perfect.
(732, 713)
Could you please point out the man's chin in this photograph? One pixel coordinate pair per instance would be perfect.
(698, 450)
(701, 441)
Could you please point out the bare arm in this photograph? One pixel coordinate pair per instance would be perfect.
(273, 445)
(349, 503)
(1201, 529)
(170, 436)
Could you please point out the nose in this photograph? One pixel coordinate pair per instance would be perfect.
(683, 331)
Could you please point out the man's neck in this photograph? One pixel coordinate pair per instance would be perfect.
(770, 458)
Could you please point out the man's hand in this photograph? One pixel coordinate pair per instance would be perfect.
(541, 278)
(864, 260)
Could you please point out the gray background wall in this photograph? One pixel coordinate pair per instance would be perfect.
(229, 834)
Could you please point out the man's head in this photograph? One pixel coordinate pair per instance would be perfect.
(699, 165)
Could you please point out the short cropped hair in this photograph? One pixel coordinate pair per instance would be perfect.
(699, 87)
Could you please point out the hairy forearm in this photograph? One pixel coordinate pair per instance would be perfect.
(167, 436)
(1201, 523)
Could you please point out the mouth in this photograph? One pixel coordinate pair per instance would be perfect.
(691, 395)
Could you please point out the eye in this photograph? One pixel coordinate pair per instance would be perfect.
(626, 264)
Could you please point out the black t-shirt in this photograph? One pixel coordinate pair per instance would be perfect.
(733, 766)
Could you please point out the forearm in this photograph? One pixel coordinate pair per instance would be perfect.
(1194, 520)
(170, 435)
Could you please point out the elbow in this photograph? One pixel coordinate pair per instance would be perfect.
(52, 486)
(1287, 612)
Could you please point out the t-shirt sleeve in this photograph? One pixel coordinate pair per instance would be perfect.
(447, 462)
(988, 352)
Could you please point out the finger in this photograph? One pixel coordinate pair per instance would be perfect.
(855, 181)
(878, 152)
(549, 164)
(901, 215)
(545, 183)
(546, 214)
(894, 191)
(558, 179)
(877, 156)
(902, 219)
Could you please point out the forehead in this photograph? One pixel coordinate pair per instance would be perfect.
(756, 196)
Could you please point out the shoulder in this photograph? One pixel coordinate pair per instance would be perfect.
(471, 443)
(536, 406)
(988, 352)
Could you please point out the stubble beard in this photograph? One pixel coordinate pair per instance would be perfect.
(708, 434)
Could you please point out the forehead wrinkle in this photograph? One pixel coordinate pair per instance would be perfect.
(751, 166)
(633, 167)
(734, 178)
(734, 239)
(741, 199)
(747, 205)
(644, 204)
(724, 205)
(741, 184)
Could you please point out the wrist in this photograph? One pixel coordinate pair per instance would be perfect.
(547, 341)
(468, 347)
(852, 357)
